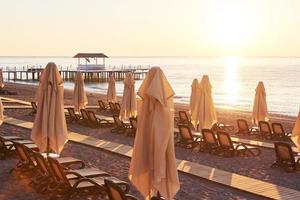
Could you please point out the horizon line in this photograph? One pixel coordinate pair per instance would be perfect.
(118, 56)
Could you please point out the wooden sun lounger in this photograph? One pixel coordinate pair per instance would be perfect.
(120, 126)
(95, 121)
(67, 187)
(187, 139)
(285, 158)
(227, 148)
(210, 141)
(244, 129)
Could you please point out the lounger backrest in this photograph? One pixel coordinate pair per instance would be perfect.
(278, 129)
(33, 105)
(114, 191)
(242, 126)
(71, 112)
(185, 132)
(224, 139)
(84, 114)
(117, 106)
(57, 171)
(264, 127)
(101, 104)
(209, 137)
(92, 116)
(284, 152)
(183, 117)
(133, 122)
(20, 152)
(117, 120)
(112, 106)
(41, 163)
(28, 152)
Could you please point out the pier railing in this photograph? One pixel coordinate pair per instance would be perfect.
(33, 73)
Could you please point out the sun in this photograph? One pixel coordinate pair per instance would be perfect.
(232, 26)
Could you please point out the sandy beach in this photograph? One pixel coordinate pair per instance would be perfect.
(191, 187)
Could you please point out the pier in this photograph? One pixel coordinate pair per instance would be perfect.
(33, 73)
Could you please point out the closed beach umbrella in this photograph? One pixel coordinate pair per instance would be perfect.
(1, 112)
(128, 106)
(1, 79)
(79, 99)
(204, 114)
(111, 90)
(260, 109)
(49, 130)
(153, 164)
(193, 98)
(296, 132)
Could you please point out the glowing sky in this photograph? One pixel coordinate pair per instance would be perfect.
(150, 28)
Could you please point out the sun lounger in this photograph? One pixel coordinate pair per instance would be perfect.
(114, 108)
(222, 127)
(243, 128)
(25, 163)
(183, 119)
(188, 139)
(210, 141)
(285, 157)
(73, 117)
(103, 107)
(95, 121)
(85, 118)
(278, 131)
(120, 126)
(227, 148)
(115, 192)
(68, 187)
(265, 130)
(44, 177)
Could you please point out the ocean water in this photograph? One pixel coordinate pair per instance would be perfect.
(234, 79)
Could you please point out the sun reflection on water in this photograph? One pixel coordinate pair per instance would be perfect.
(231, 84)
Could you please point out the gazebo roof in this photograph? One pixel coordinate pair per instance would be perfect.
(90, 55)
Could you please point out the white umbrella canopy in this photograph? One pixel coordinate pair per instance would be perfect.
(1, 79)
(1, 112)
(296, 132)
(204, 114)
(153, 164)
(193, 97)
(79, 98)
(129, 104)
(260, 108)
(111, 90)
(49, 130)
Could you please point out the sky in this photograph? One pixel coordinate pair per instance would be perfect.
(150, 28)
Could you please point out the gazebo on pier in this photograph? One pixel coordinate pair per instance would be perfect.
(88, 57)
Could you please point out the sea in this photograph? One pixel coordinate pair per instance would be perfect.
(233, 79)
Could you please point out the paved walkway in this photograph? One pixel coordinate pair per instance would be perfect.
(233, 180)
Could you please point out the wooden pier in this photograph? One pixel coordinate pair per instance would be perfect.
(68, 75)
